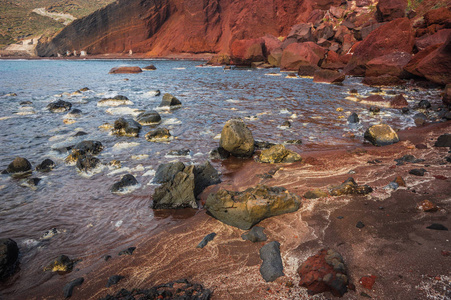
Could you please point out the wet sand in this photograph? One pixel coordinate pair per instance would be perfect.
(394, 245)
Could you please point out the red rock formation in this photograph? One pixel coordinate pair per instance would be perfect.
(244, 52)
(394, 36)
(437, 38)
(298, 54)
(388, 10)
(437, 16)
(328, 76)
(390, 64)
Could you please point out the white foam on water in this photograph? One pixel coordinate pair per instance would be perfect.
(251, 118)
(6, 118)
(92, 172)
(273, 74)
(118, 171)
(114, 102)
(118, 223)
(138, 168)
(316, 117)
(125, 145)
(29, 243)
(294, 116)
(171, 121)
(178, 68)
(128, 189)
(198, 154)
(233, 101)
(151, 93)
(150, 173)
(217, 137)
(139, 156)
(167, 108)
(284, 111)
(123, 111)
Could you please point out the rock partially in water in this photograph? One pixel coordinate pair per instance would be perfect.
(113, 280)
(18, 165)
(350, 187)
(170, 101)
(324, 272)
(237, 139)
(260, 145)
(166, 172)
(247, 208)
(114, 101)
(219, 153)
(328, 76)
(272, 266)
(126, 181)
(180, 289)
(61, 264)
(353, 118)
(424, 104)
(126, 127)
(69, 288)
(208, 238)
(255, 235)
(158, 135)
(181, 152)
(398, 102)
(9, 252)
(89, 147)
(443, 141)
(315, 194)
(128, 251)
(149, 68)
(46, 166)
(125, 70)
(87, 163)
(59, 106)
(149, 118)
(31, 183)
(381, 135)
(183, 186)
(278, 154)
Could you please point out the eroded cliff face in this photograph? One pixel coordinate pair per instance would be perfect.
(161, 27)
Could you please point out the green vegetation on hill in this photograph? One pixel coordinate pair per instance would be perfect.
(18, 21)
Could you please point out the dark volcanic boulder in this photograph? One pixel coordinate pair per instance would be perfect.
(350, 187)
(126, 127)
(255, 235)
(324, 272)
(59, 106)
(298, 54)
(91, 147)
(19, 165)
(167, 172)
(247, 208)
(170, 101)
(46, 166)
(69, 288)
(353, 118)
(158, 135)
(272, 267)
(125, 70)
(237, 139)
(86, 163)
(443, 141)
(149, 118)
(394, 36)
(149, 68)
(307, 70)
(181, 189)
(381, 135)
(244, 52)
(328, 76)
(278, 154)
(388, 10)
(9, 252)
(126, 181)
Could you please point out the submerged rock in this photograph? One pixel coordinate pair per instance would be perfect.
(170, 101)
(60, 264)
(149, 118)
(328, 76)
(46, 166)
(59, 106)
(181, 152)
(183, 185)
(350, 187)
(324, 272)
(149, 68)
(89, 147)
(9, 252)
(125, 70)
(247, 208)
(381, 135)
(127, 181)
(237, 139)
(278, 154)
(126, 127)
(219, 153)
(69, 288)
(272, 267)
(19, 165)
(87, 163)
(158, 135)
(128, 251)
(255, 235)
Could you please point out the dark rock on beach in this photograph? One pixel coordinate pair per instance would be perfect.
(255, 235)
(237, 139)
(350, 187)
(315, 194)
(208, 238)
(9, 252)
(353, 118)
(170, 101)
(324, 272)
(126, 127)
(158, 135)
(113, 280)
(381, 135)
(86, 163)
(424, 104)
(247, 208)
(181, 152)
(149, 118)
(59, 106)
(69, 288)
(128, 251)
(443, 140)
(272, 266)
(278, 154)
(114, 101)
(219, 153)
(89, 146)
(61, 264)
(183, 185)
(19, 165)
(166, 172)
(417, 172)
(180, 289)
(126, 181)
(46, 166)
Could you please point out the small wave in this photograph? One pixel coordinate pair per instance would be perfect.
(139, 156)
(233, 101)
(124, 111)
(118, 171)
(284, 111)
(150, 173)
(178, 68)
(273, 74)
(125, 145)
(172, 121)
(127, 190)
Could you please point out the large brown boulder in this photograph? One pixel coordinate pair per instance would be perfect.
(437, 16)
(381, 135)
(271, 43)
(298, 54)
(332, 61)
(384, 80)
(278, 154)
(436, 66)
(244, 52)
(417, 58)
(275, 57)
(439, 37)
(247, 208)
(301, 32)
(125, 70)
(328, 76)
(18, 165)
(388, 10)
(391, 64)
(394, 36)
(237, 139)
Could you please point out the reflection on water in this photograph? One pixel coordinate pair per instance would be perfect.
(91, 221)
